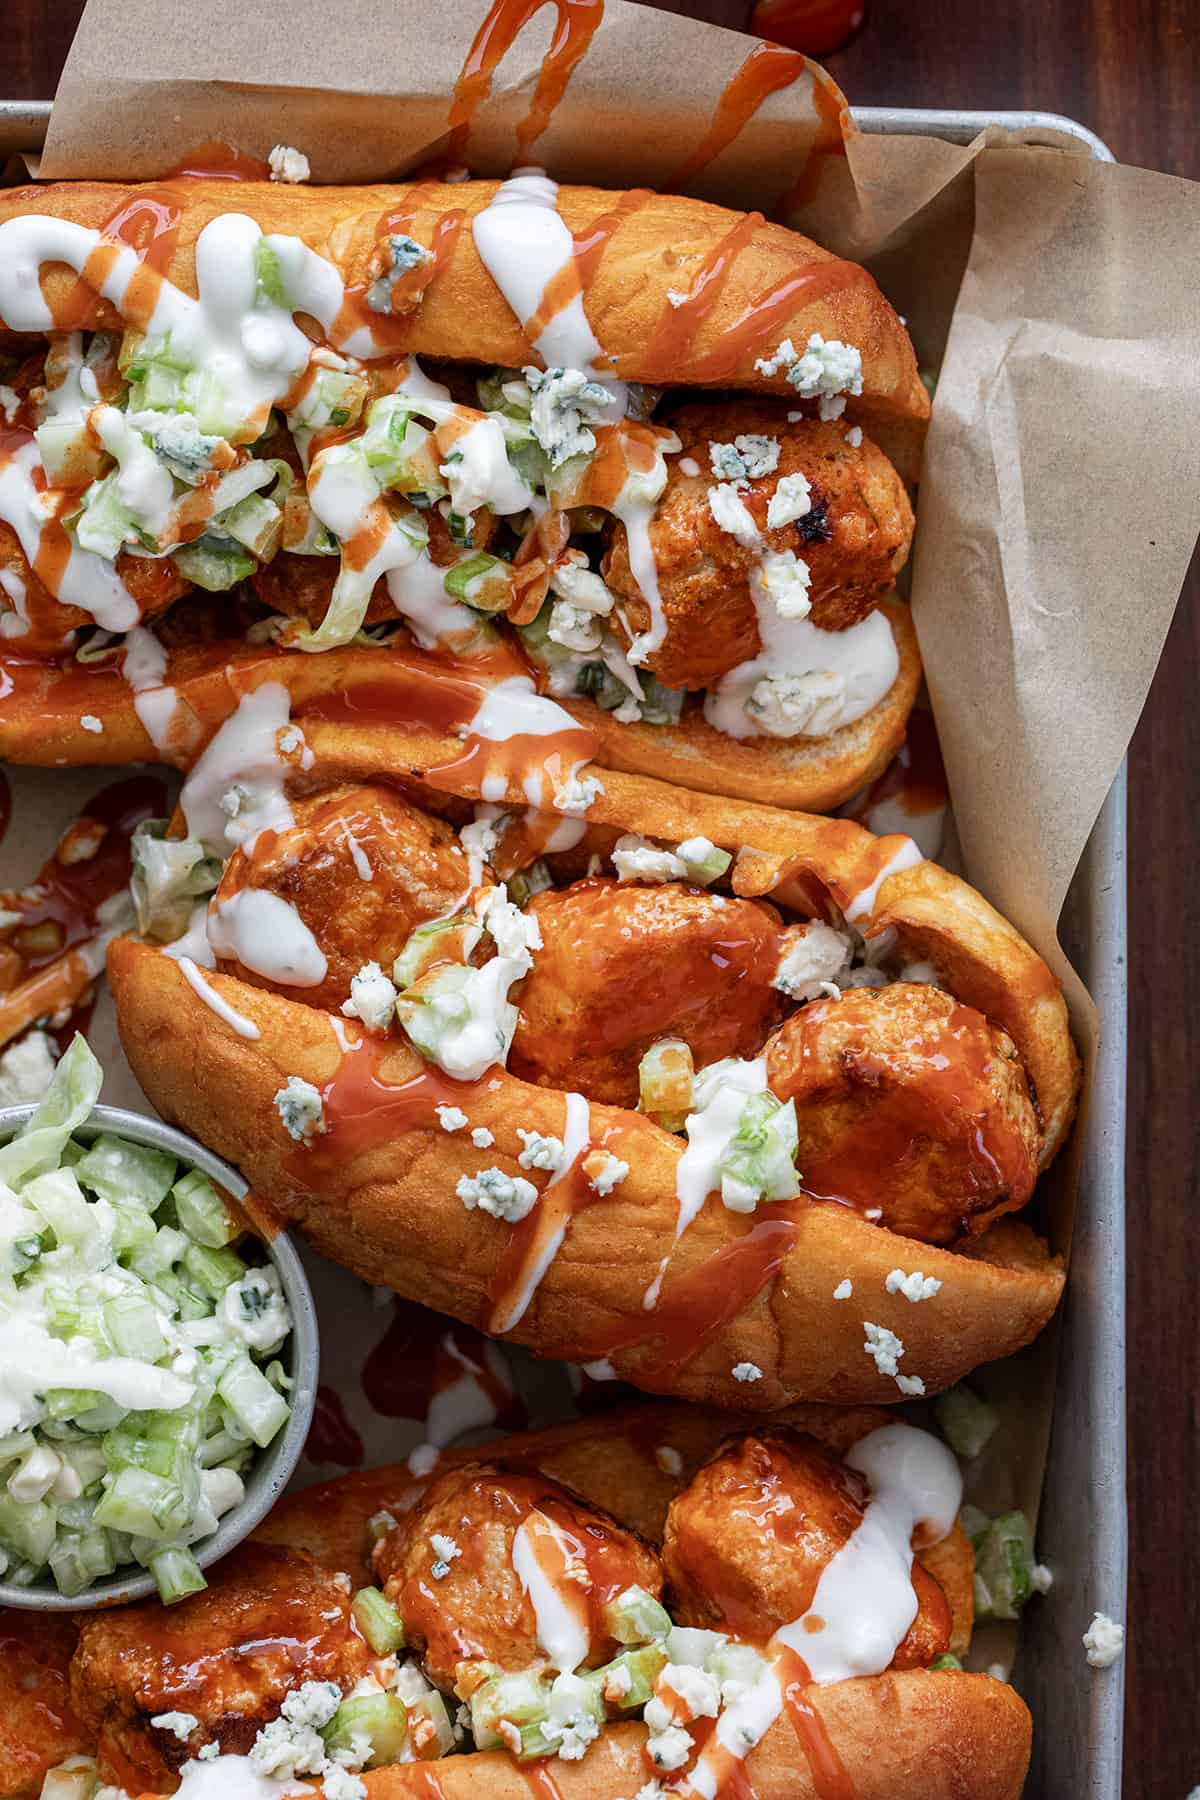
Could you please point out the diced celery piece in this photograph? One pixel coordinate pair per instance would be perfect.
(481, 581)
(132, 1229)
(156, 1258)
(255, 522)
(519, 1699)
(145, 1504)
(134, 1328)
(60, 1201)
(380, 1718)
(164, 1443)
(448, 938)
(68, 1403)
(665, 1076)
(641, 1667)
(636, 1617)
(947, 1662)
(120, 1171)
(334, 397)
(15, 1443)
(68, 1318)
(79, 1558)
(429, 1727)
(202, 1211)
(378, 1621)
(176, 1574)
(760, 1160)
(966, 1421)
(75, 1779)
(169, 875)
(105, 524)
(213, 566)
(28, 1528)
(254, 1403)
(303, 532)
(1003, 1567)
(212, 1270)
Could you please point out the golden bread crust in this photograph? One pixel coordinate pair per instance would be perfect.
(658, 244)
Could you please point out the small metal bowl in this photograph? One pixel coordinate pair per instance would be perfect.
(272, 1468)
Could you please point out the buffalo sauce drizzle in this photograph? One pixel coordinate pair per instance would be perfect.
(915, 778)
(422, 1355)
(830, 1777)
(391, 332)
(768, 68)
(362, 1112)
(218, 161)
(147, 224)
(539, 1781)
(834, 126)
(577, 21)
(420, 1779)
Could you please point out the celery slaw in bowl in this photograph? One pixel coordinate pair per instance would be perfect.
(157, 1359)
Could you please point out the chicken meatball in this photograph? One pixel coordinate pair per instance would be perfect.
(747, 1541)
(464, 1569)
(269, 1621)
(910, 1103)
(361, 867)
(622, 966)
(854, 536)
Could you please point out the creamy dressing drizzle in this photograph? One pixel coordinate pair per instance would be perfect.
(854, 668)
(84, 579)
(576, 1127)
(549, 1574)
(244, 1027)
(264, 932)
(863, 904)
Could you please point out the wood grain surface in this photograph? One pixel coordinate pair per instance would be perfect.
(1129, 69)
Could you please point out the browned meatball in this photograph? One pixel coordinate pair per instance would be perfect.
(269, 1621)
(622, 966)
(747, 1541)
(417, 871)
(854, 540)
(909, 1102)
(453, 1570)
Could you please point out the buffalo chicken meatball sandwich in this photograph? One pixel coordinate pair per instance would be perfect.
(588, 1612)
(635, 483)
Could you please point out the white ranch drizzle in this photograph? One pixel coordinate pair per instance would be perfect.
(863, 903)
(548, 1573)
(514, 708)
(243, 758)
(244, 1027)
(265, 932)
(143, 666)
(87, 581)
(861, 664)
(576, 1127)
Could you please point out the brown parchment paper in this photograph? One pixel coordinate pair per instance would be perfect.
(1053, 295)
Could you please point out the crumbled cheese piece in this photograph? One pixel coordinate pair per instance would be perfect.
(914, 1287)
(604, 1171)
(575, 1735)
(507, 1197)
(617, 1683)
(574, 627)
(572, 580)
(910, 1384)
(478, 839)
(482, 1138)
(372, 998)
(785, 579)
(669, 1749)
(831, 406)
(1042, 1578)
(1104, 1641)
(292, 1744)
(301, 1109)
(181, 1724)
(288, 164)
(747, 1371)
(786, 705)
(843, 1290)
(423, 1460)
(668, 1460)
(443, 1547)
(10, 402)
(747, 459)
(854, 436)
(565, 402)
(781, 358)
(90, 722)
(27, 1067)
(450, 1118)
(540, 1152)
(791, 500)
(677, 296)
(576, 793)
(814, 958)
(291, 739)
(403, 254)
(884, 1346)
(731, 513)
(824, 366)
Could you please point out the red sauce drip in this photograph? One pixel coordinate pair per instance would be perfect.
(331, 1436)
(539, 1781)
(834, 126)
(915, 776)
(758, 327)
(148, 224)
(695, 1305)
(506, 19)
(768, 68)
(420, 1355)
(363, 1112)
(419, 693)
(951, 1094)
(518, 761)
(419, 1779)
(678, 325)
(531, 1239)
(829, 1775)
(218, 161)
(816, 27)
(591, 244)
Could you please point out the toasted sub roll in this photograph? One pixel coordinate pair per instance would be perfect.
(386, 693)
(380, 1195)
(612, 1462)
(779, 284)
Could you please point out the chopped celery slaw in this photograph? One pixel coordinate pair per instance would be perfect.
(139, 1370)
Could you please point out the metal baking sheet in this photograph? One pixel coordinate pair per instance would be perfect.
(1083, 1528)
